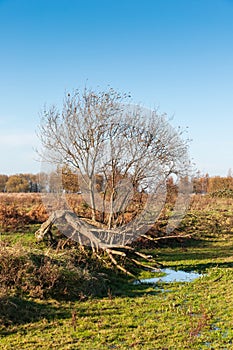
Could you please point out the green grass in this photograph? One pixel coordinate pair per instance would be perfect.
(190, 316)
(195, 315)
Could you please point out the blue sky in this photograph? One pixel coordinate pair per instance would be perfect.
(173, 54)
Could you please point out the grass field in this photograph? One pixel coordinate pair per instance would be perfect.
(194, 315)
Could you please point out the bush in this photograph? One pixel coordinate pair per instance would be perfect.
(24, 273)
(224, 193)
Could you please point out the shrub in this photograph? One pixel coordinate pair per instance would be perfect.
(24, 273)
(224, 193)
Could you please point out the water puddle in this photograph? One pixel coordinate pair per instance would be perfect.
(172, 276)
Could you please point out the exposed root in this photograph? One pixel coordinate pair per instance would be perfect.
(98, 239)
(166, 237)
(119, 266)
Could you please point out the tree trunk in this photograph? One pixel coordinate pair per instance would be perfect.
(92, 199)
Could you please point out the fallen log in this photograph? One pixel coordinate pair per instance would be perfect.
(113, 242)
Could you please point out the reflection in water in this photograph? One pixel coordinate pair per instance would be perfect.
(173, 276)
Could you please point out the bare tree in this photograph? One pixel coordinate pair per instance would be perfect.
(133, 151)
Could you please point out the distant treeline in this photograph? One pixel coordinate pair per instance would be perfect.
(216, 185)
(19, 183)
(38, 182)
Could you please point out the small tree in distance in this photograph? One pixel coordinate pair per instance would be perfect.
(3, 181)
(17, 183)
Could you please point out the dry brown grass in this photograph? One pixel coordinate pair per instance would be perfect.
(20, 209)
(199, 202)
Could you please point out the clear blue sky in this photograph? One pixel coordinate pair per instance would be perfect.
(175, 54)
